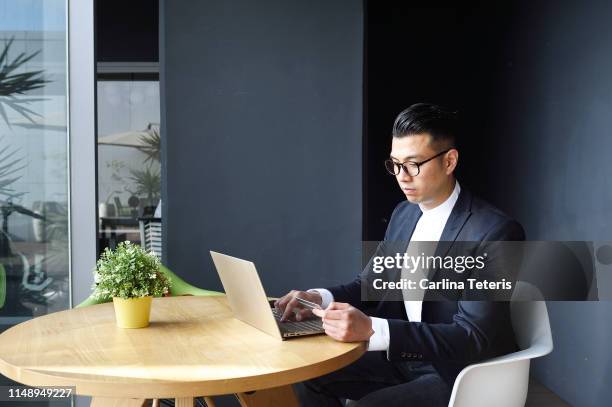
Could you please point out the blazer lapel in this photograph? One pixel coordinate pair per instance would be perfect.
(459, 215)
(407, 228)
(400, 239)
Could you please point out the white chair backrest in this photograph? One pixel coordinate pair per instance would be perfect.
(503, 381)
(530, 317)
(151, 235)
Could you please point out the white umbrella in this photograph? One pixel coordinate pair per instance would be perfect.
(126, 139)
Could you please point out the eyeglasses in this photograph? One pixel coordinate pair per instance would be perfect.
(411, 168)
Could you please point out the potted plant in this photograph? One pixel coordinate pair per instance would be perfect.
(131, 277)
(148, 184)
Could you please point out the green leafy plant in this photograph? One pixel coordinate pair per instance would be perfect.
(147, 183)
(151, 144)
(10, 166)
(128, 272)
(12, 83)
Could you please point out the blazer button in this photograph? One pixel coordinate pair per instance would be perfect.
(420, 356)
(403, 354)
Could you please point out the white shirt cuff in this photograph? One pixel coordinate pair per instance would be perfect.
(326, 296)
(380, 339)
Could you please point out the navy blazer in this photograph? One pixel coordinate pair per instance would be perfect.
(453, 333)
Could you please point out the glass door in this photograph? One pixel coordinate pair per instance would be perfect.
(34, 183)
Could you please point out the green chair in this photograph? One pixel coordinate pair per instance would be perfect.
(178, 287)
(2, 286)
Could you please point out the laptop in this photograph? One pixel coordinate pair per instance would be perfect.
(250, 304)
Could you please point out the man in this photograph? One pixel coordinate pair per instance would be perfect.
(415, 348)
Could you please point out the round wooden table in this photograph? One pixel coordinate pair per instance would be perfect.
(193, 347)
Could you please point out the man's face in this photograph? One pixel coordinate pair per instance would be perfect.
(430, 186)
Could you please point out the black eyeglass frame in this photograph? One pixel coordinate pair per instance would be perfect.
(399, 166)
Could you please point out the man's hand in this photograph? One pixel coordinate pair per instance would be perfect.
(345, 323)
(292, 309)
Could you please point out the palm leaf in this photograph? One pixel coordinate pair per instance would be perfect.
(148, 183)
(10, 165)
(151, 144)
(12, 83)
(22, 110)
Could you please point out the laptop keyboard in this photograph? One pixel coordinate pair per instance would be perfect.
(309, 325)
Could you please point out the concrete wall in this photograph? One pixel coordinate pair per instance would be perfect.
(261, 116)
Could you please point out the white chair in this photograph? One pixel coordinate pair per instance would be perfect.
(151, 235)
(503, 381)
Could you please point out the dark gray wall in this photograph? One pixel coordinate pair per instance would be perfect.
(553, 150)
(533, 82)
(261, 116)
(262, 104)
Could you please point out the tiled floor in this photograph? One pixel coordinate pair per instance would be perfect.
(540, 396)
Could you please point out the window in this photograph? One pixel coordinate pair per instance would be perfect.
(34, 239)
(129, 169)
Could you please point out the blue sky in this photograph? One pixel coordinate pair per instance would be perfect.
(32, 15)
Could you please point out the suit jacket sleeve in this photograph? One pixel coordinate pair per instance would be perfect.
(351, 292)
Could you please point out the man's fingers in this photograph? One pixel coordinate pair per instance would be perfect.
(331, 313)
(289, 309)
(335, 314)
(335, 310)
(336, 323)
(282, 302)
(302, 314)
(336, 333)
(292, 309)
(338, 305)
(332, 331)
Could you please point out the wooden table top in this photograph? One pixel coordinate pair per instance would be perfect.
(193, 347)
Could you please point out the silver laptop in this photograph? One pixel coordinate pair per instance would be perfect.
(249, 303)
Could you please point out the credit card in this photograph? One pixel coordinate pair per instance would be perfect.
(308, 304)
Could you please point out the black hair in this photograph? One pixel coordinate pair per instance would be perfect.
(427, 118)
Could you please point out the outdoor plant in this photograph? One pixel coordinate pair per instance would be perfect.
(147, 183)
(10, 167)
(151, 144)
(128, 272)
(14, 83)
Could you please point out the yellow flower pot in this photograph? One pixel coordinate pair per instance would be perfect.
(133, 312)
